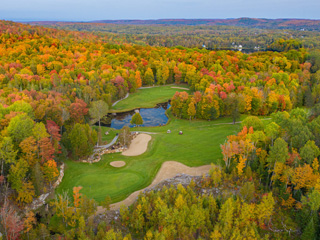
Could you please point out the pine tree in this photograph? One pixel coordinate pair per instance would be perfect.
(309, 101)
(309, 232)
(37, 179)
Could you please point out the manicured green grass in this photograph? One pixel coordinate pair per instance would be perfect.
(107, 138)
(148, 97)
(199, 145)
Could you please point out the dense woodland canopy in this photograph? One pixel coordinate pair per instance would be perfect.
(269, 188)
(190, 36)
(54, 82)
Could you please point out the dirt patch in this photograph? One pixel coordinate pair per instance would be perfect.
(181, 88)
(118, 164)
(138, 145)
(168, 170)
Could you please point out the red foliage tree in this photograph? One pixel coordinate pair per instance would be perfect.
(55, 136)
(78, 110)
(46, 150)
(197, 96)
(11, 222)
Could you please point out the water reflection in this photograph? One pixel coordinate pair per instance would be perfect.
(151, 117)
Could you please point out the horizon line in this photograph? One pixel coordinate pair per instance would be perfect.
(155, 19)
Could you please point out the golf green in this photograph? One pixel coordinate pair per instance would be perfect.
(148, 97)
(198, 145)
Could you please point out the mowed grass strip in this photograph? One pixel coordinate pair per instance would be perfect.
(111, 133)
(199, 145)
(148, 97)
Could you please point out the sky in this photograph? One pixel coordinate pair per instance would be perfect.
(89, 10)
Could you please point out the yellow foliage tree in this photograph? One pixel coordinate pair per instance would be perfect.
(26, 193)
(241, 165)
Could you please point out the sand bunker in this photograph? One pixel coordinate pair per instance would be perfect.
(168, 170)
(138, 145)
(118, 164)
(181, 88)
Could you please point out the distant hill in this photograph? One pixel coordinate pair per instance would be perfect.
(297, 24)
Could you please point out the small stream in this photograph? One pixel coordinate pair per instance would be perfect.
(151, 117)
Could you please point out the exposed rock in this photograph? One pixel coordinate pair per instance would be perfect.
(38, 202)
(96, 157)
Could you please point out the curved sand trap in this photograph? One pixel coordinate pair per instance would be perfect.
(118, 163)
(138, 145)
(168, 170)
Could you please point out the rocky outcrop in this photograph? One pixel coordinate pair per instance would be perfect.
(96, 157)
(104, 149)
(59, 180)
(40, 201)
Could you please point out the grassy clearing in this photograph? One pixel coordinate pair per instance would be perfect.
(199, 145)
(106, 138)
(148, 97)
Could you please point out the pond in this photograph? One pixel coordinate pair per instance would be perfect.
(151, 117)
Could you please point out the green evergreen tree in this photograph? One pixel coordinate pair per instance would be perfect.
(136, 119)
(37, 179)
(308, 101)
(309, 232)
(82, 139)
